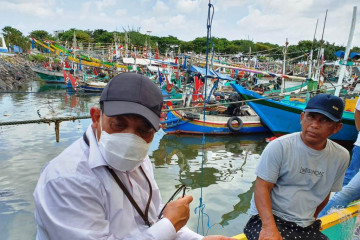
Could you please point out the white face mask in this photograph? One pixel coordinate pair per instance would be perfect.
(122, 151)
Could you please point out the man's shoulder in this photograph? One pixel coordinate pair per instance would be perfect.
(70, 163)
(289, 137)
(285, 140)
(339, 150)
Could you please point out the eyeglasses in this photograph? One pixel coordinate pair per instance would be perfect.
(183, 188)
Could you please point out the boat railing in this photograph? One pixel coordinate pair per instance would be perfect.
(337, 225)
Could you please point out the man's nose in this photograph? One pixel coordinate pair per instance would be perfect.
(316, 123)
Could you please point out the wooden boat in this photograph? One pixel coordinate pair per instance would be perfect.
(49, 76)
(91, 86)
(338, 225)
(296, 88)
(193, 123)
(283, 117)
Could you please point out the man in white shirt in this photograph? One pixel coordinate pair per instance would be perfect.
(103, 186)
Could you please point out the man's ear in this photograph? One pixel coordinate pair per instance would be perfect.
(337, 128)
(301, 117)
(95, 116)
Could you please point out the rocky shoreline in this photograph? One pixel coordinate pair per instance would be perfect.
(14, 71)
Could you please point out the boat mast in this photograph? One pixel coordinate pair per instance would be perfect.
(311, 52)
(320, 54)
(74, 48)
(347, 51)
(284, 64)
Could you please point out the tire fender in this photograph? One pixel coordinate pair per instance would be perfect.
(233, 128)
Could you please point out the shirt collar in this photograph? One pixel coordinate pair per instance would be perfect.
(95, 157)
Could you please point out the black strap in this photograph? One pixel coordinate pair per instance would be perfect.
(144, 216)
(86, 139)
(131, 199)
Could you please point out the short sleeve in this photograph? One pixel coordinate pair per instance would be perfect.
(357, 107)
(270, 162)
(337, 186)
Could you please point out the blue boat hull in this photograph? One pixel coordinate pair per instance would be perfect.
(176, 124)
(284, 117)
(84, 88)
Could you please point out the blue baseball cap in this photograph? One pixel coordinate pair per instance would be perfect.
(329, 105)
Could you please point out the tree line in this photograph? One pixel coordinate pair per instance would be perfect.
(222, 46)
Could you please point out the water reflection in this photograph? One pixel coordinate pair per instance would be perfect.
(220, 151)
(228, 180)
(47, 87)
(240, 208)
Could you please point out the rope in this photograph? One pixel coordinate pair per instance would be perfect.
(57, 122)
(201, 206)
(45, 120)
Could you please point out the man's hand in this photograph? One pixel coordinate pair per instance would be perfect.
(178, 212)
(270, 234)
(217, 237)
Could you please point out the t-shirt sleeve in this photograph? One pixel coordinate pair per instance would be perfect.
(270, 162)
(337, 186)
(357, 107)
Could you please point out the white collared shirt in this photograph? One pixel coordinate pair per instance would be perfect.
(77, 198)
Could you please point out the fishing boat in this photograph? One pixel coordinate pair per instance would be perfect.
(91, 86)
(179, 121)
(338, 225)
(49, 76)
(283, 117)
(297, 88)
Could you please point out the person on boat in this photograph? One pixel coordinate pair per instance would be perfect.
(296, 174)
(354, 166)
(103, 185)
(351, 184)
(348, 194)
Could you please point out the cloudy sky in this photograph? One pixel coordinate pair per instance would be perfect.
(258, 20)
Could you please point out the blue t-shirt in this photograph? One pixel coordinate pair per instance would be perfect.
(303, 177)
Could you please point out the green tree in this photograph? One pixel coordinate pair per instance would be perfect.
(187, 47)
(81, 36)
(232, 49)
(14, 37)
(199, 45)
(102, 36)
(41, 35)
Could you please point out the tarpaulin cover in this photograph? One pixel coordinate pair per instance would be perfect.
(211, 73)
(353, 55)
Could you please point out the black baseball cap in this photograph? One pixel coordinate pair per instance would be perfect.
(329, 105)
(132, 93)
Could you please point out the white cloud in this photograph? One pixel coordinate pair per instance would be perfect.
(261, 20)
(160, 7)
(59, 11)
(103, 4)
(224, 5)
(37, 8)
(187, 5)
(121, 12)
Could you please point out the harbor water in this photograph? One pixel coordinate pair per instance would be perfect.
(228, 168)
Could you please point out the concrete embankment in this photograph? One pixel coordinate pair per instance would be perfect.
(15, 71)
